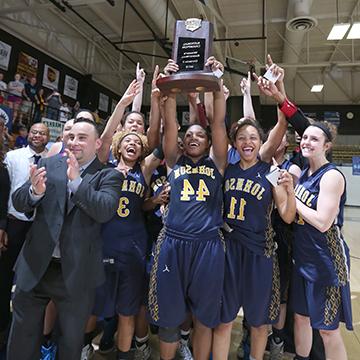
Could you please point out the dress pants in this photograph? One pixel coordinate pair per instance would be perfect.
(29, 311)
(16, 231)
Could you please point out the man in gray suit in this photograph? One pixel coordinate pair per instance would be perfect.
(61, 257)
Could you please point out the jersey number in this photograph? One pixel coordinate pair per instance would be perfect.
(231, 214)
(188, 190)
(122, 211)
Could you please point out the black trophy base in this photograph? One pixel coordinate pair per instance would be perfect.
(187, 82)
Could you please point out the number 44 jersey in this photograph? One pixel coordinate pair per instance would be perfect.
(195, 197)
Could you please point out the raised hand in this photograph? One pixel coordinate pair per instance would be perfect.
(163, 196)
(245, 85)
(286, 180)
(214, 64)
(130, 93)
(73, 170)
(155, 91)
(140, 74)
(124, 169)
(171, 67)
(267, 87)
(38, 179)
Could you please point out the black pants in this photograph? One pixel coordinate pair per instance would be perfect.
(16, 231)
(29, 311)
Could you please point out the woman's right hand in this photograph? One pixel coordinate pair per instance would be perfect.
(171, 67)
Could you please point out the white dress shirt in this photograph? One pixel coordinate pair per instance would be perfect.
(18, 165)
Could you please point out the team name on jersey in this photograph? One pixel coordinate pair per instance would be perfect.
(304, 195)
(188, 169)
(245, 185)
(134, 187)
(157, 183)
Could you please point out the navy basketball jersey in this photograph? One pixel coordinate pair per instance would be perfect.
(319, 256)
(248, 204)
(129, 218)
(283, 230)
(285, 165)
(195, 196)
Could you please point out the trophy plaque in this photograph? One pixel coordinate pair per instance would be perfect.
(191, 48)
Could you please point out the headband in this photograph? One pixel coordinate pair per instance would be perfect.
(325, 130)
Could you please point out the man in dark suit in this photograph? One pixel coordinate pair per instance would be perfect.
(61, 258)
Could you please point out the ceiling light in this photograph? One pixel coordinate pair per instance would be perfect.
(354, 32)
(338, 31)
(317, 88)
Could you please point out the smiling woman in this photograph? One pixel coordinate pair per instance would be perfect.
(321, 256)
(251, 271)
(190, 247)
(125, 238)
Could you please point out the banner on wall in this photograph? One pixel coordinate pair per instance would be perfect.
(7, 114)
(71, 87)
(55, 128)
(51, 77)
(356, 165)
(27, 66)
(103, 102)
(5, 51)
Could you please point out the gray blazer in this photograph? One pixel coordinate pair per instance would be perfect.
(76, 224)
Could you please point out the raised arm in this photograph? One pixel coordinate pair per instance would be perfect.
(150, 163)
(114, 121)
(170, 131)
(218, 131)
(248, 109)
(153, 132)
(209, 105)
(292, 114)
(332, 186)
(274, 139)
(217, 125)
(140, 78)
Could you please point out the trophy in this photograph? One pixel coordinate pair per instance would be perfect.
(191, 48)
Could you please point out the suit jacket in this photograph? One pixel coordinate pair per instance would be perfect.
(75, 223)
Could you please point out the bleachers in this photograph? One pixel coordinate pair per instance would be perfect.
(342, 154)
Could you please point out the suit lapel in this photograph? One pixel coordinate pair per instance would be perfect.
(94, 167)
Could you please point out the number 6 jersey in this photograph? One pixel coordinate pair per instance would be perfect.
(195, 196)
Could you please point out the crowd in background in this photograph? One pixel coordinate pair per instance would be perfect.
(29, 104)
(173, 196)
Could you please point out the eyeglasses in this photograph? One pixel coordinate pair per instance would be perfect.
(41, 133)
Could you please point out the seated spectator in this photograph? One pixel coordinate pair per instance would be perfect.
(21, 140)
